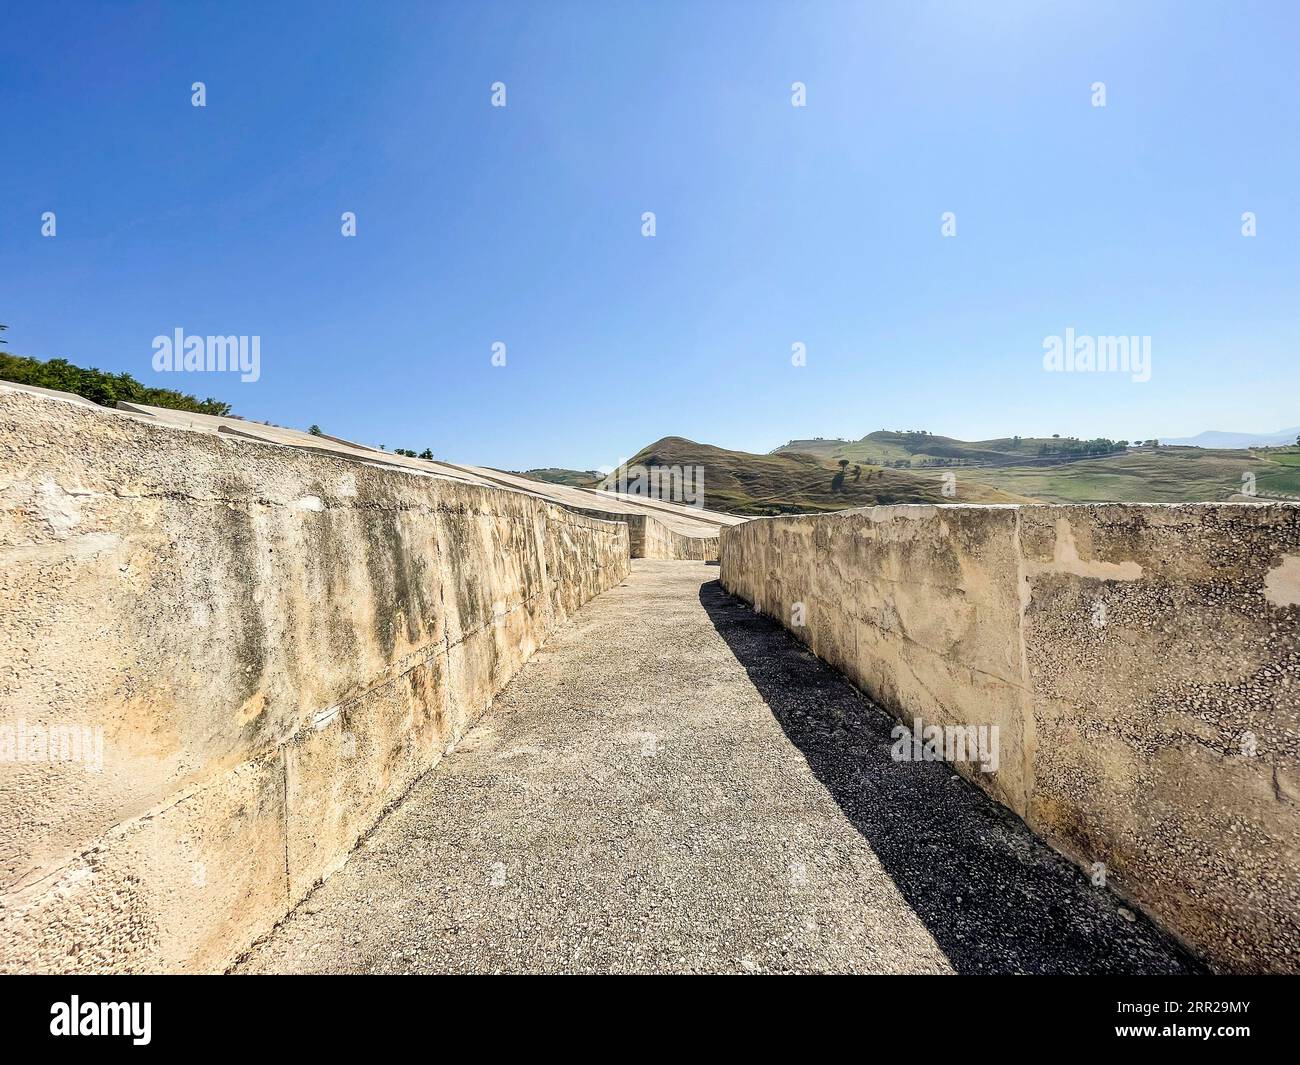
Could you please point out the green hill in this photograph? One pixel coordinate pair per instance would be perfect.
(1068, 470)
(554, 475)
(742, 483)
(1166, 475)
(902, 449)
(1280, 473)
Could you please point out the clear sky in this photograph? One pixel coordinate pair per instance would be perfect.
(775, 224)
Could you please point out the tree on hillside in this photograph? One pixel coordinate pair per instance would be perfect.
(427, 454)
(314, 429)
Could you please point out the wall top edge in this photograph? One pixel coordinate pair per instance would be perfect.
(133, 415)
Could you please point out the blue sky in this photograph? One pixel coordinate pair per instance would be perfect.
(775, 224)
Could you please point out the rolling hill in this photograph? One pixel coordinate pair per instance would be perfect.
(804, 476)
(1162, 475)
(900, 448)
(1068, 470)
(744, 483)
(553, 475)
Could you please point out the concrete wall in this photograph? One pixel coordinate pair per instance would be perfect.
(271, 645)
(675, 530)
(664, 542)
(659, 528)
(651, 538)
(1133, 658)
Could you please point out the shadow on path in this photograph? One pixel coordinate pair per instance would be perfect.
(994, 897)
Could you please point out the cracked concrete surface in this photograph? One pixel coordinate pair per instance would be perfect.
(673, 784)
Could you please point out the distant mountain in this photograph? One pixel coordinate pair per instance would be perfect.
(1214, 439)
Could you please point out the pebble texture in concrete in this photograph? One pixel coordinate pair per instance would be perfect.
(673, 784)
(1140, 661)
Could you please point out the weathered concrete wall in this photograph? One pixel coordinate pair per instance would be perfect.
(648, 537)
(664, 542)
(676, 530)
(659, 528)
(1133, 658)
(271, 644)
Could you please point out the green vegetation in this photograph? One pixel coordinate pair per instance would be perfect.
(1167, 475)
(1068, 470)
(1280, 472)
(100, 387)
(902, 449)
(798, 483)
(1283, 456)
(555, 475)
(908, 467)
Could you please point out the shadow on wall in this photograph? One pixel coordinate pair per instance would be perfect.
(995, 898)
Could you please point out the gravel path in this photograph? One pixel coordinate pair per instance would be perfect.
(674, 784)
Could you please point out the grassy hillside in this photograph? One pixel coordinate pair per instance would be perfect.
(903, 449)
(805, 476)
(1163, 475)
(1280, 473)
(553, 475)
(741, 483)
(1067, 470)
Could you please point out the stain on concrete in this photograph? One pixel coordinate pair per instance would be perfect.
(206, 643)
(1065, 559)
(1282, 582)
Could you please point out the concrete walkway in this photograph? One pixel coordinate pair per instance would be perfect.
(674, 784)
